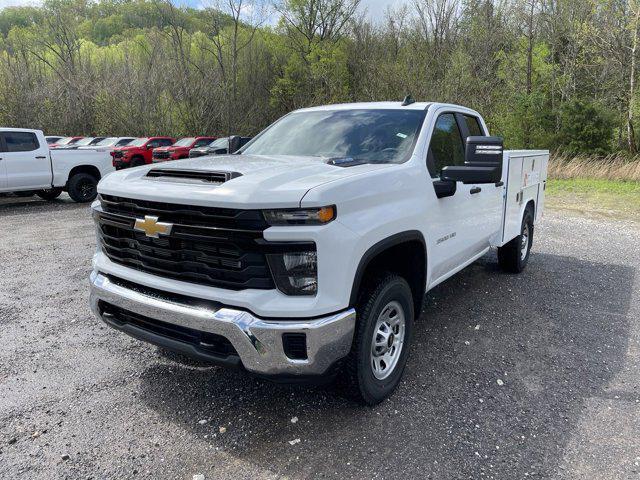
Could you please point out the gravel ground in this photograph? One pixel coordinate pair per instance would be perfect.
(510, 376)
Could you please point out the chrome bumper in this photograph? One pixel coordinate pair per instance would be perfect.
(257, 342)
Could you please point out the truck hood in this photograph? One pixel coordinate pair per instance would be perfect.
(172, 148)
(263, 181)
(125, 148)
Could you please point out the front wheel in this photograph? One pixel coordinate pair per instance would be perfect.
(50, 194)
(381, 341)
(82, 188)
(514, 256)
(137, 162)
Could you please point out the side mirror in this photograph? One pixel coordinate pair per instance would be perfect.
(472, 174)
(483, 151)
(151, 147)
(234, 143)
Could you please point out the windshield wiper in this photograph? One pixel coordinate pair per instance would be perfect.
(354, 161)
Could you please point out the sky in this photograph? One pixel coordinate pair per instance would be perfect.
(376, 8)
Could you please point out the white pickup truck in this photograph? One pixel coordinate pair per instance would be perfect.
(28, 167)
(308, 253)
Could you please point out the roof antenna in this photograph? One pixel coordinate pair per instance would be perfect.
(408, 100)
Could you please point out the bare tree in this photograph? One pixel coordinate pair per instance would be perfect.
(634, 24)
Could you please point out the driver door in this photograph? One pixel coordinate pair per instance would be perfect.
(26, 161)
(457, 219)
(3, 170)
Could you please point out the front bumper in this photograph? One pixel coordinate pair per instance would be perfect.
(258, 342)
(120, 163)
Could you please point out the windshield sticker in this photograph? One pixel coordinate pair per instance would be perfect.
(402, 135)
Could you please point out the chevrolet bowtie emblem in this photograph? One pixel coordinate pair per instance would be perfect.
(152, 227)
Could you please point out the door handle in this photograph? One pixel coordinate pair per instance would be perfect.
(475, 190)
(41, 158)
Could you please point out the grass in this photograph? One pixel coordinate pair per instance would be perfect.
(609, 198)
(616, 167)
(601, 186)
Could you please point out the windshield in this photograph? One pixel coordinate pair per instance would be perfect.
(372, 136)
(220, 143)
(65, 141)
(107, 142)
(203, 142)
(138, 142)
(84, 141)
(184, 142)
(124, 141)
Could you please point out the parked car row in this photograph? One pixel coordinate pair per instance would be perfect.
(134, 152)
(32, 164)
(143, 151)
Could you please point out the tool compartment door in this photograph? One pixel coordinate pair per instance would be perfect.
(526, 176)
(511, 222)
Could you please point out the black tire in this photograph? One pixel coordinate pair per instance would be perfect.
(358, 380)
(511, 257)
(82, 188)
(137, 162)
(50, 194)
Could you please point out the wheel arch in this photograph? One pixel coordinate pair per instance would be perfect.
(530, 205)
(404, 247)
(88, 169)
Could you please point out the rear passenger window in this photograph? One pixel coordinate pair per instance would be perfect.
(473, 124)
(446, 148)
(20, 141)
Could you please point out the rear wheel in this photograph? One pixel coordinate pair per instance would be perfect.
(381, 341)
(50, 194)
(82, 188)
(514, 256)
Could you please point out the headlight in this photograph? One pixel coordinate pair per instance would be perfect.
(295, 273)
(300, 216)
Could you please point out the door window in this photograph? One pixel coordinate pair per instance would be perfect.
(473, 125)
(446, 148)
(165, 142)
(153, 144)
(20, 141)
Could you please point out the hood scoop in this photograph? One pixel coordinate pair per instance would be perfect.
(191, 176)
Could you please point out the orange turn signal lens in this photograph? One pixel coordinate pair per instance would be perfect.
(326, 214)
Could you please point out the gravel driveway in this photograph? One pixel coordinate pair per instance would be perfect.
(510, 376)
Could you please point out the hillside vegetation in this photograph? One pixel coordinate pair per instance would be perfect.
(556, 74)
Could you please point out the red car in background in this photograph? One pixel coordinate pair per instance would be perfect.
(139, 152)
(180, 149)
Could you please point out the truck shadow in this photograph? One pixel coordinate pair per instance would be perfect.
(11, 205)
(540, 333)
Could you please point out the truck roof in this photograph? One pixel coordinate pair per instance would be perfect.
(369, 105)
(9, 129)
(386, 106)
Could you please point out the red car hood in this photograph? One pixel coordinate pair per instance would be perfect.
(125, 149)
(170, 149)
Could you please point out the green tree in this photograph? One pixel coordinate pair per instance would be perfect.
(584, 128)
